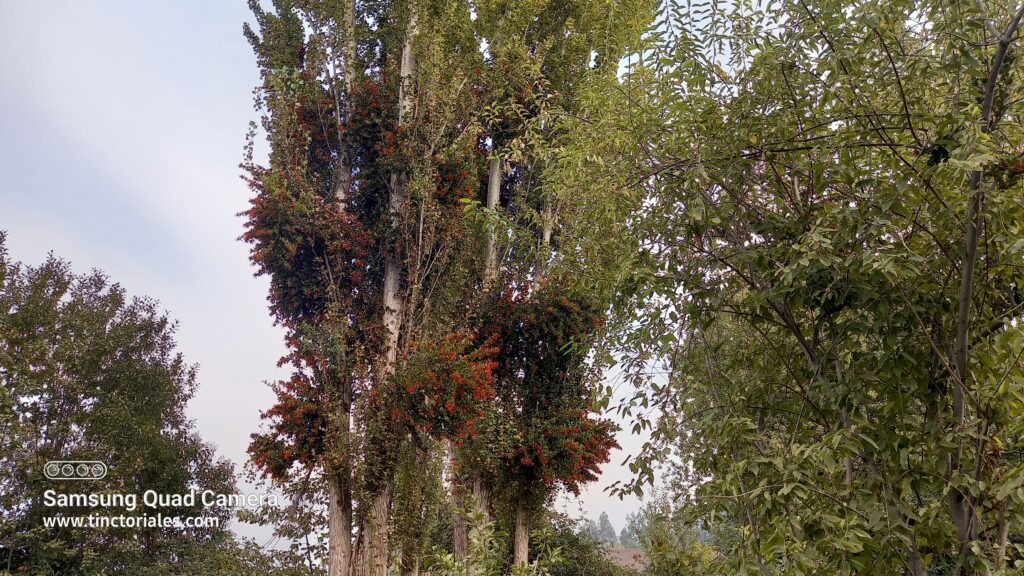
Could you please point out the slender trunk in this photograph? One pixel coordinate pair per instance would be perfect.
(521, 541)
(378, 527)
(339, 487)
(482, 495)
(408, 66)
(915, 563)
(410, 563)
(962, 510)
(339, 527)
(482, 507)
(480, 485)
(548, 219)
(459, 534)
(1001, 540)
(343, 183)
(349, 25)
(844, 414)
(547, 226)
(460, 539)
(493, 199)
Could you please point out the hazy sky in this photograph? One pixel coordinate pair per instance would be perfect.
(121, 131)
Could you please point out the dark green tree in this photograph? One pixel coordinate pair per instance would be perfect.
(89, 373)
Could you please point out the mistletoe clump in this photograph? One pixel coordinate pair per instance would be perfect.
(313, 250)
(567, 449)
(444, 387)
(298, 428)
(544, 385)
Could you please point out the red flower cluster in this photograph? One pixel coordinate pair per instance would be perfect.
(544, 336)
(456, 180)
(570, 453)
(443, 388)
(298, 426)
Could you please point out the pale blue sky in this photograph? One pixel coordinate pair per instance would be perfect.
(121, 130)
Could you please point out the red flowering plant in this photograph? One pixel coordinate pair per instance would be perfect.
(297, 429)
(545, 388)
(567, 449)
(443, 387)
(313, 226)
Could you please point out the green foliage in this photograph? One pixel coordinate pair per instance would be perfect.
(818, 291)
(672, 544)
(487, 553)
(89, 373)
(582, 554)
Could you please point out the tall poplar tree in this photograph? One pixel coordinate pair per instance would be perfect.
(385, 120)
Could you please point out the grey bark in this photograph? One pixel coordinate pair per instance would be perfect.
(521, 536)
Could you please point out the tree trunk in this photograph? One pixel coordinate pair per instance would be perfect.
(547, 226)
(482, 495)
(493, 199)
(349, 24)
(339, 488)
(1001, 540)
(378, 522)
(339, 528)
(915, 563)
(460, 538)
(459, 534)
(410, 562)
(521, 542)
(481, 487)
(343, 179)
(962, 509)
(376, 535)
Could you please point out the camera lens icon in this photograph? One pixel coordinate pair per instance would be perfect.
(74, 470)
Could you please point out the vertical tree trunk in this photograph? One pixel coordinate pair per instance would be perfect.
(378, 522)
(482, 494)
(460, 538)
(459, 535)
(480, 485)
(915, 563)
(343, 181)
(493, 198)
(521, 536)
(339, 527)
(410, 563)
(377, 534)
(962, 510)
(339, 485)
(349, 29)
(1001, 540)
(547, 226)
